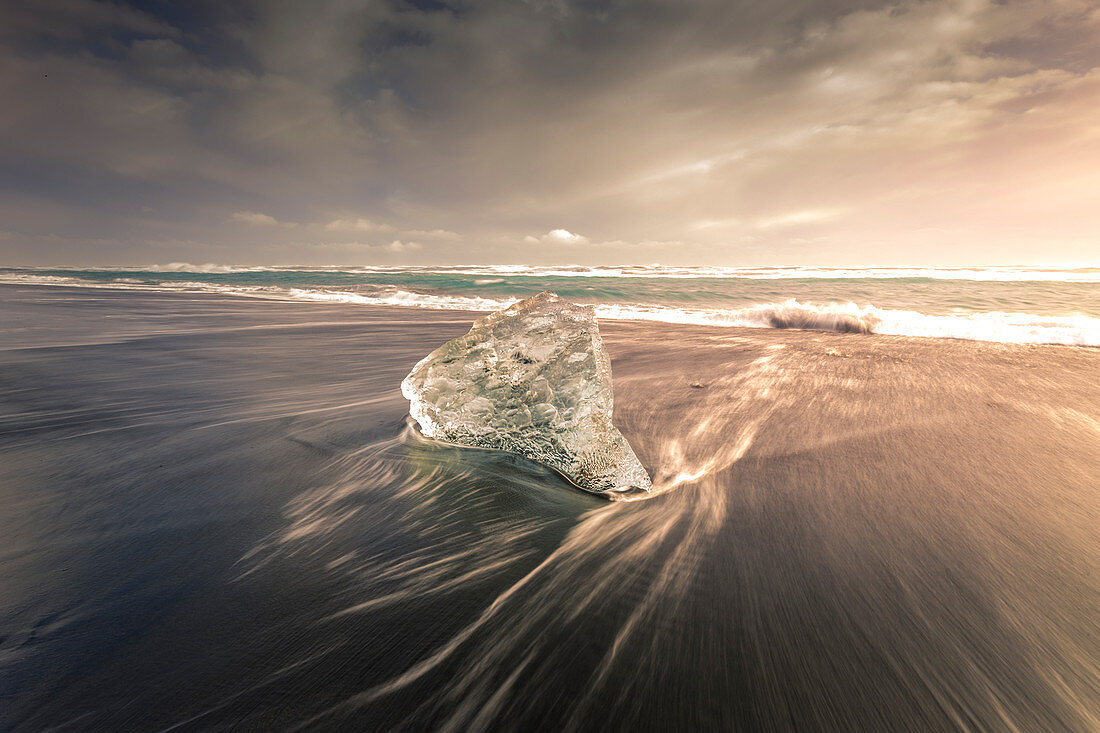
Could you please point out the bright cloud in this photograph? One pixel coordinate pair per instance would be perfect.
(257, 219)
(398, 246)
(557, 236)
(357, 225)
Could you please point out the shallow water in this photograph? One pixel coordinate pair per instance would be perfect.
(216, 516)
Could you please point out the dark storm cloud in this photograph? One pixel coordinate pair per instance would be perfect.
(431, 131)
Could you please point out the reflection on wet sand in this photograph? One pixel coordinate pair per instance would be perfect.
(222, 519)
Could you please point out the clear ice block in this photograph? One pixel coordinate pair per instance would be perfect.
(534, 380)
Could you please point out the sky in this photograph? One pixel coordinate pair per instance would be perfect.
(681, 132)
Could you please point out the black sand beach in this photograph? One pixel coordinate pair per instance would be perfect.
(215, 517)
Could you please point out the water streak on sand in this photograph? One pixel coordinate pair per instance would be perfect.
(218, 518)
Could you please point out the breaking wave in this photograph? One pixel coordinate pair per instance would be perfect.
(1020, 328)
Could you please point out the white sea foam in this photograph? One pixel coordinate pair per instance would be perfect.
(207, 268)
(407, 299)
(30, 278)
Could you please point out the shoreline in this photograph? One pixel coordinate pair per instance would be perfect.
(342, 310)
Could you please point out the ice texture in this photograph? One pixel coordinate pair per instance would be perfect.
(534, 380)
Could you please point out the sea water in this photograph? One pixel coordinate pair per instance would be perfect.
(1003, 304)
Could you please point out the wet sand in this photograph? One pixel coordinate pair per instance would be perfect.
(217, 517)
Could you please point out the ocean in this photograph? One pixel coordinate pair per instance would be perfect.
(217, 515)
(1005, 304)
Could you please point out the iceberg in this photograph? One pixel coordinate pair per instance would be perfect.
(533, 380)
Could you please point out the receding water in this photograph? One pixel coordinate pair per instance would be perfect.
(216, 516)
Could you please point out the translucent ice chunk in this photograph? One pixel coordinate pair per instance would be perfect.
(534, 380)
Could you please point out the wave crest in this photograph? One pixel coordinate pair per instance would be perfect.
(807, 317)
(1019, 328)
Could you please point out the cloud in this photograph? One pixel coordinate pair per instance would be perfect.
(398, 246)
(726, 127)
(443, 234)
(257, 219)
(343, 249)
(357, 225)
(557, 236)
(74, 20)
(795, 218)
